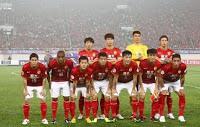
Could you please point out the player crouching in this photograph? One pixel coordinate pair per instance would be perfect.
(173, 75)
(82, 82)
(34, 75)
(148, 69)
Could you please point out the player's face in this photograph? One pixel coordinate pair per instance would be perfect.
(61, 58)
(137, 38)
(34, 61)
(152, 57)
(83, 64)
(102, 60)
(176, 62)
(127, 59)
(164, 42)
(88, 45)
(109, 42)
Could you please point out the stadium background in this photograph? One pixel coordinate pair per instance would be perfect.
(28, 26)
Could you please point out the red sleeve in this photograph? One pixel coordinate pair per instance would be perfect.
(24, 72)
(119, 53)
(89, 74)
(74, 75)
(70, 64)
(183, 68)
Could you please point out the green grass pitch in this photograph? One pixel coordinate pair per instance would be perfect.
(11, 100)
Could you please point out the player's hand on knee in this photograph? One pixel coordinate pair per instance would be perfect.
(181, 92)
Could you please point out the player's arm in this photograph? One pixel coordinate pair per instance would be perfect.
(182, 79)
(115, 80)
(88, 86)
(49, 78)
(134, 92)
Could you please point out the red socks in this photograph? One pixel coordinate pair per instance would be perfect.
(106, 108)
(26, 109)
(141, 108)
(87, 108)
(94, 105)
(169, 103)
(154, 108)
(181, 105)
(134, 105)
(72, 108)
(66, 105)
(43, 109)
(113, 105)
(162, 104)
(117, 110)
(81, 104)
(102, 104)
(54, 105)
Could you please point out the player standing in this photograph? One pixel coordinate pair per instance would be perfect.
(60, 69)
(164, 55)
(173, 75)
(34, 75)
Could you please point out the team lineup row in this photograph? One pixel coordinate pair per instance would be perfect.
(109, 71)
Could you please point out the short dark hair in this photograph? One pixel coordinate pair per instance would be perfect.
(102, 54)
(152, 51)
(33, 55)
(163, 36)
(61, 51)
(109, 35)
(136, 32)
(126, 52)
(83, 58)
(89, 39)
(176, 55)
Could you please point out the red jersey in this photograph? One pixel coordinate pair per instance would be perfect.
(112, 53)
(59, 72)
(101, 72)
(163, 54)
(170, 74)
(149, 70)
(125, 72)
(91, 55)
(81, 76)
(34, 76)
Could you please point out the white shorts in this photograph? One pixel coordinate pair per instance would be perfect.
(170, 89)
(60, 88)
(34, 90)
(101, 86)
(150, 86)
(120, 86)
(83, 91)
(174, 85)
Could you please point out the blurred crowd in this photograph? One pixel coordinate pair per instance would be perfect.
(58, 24)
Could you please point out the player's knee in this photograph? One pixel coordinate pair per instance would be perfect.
(66, 98)
(114, 98)
(133, 98)
(54, 99)
(142, 97)
(107, 98)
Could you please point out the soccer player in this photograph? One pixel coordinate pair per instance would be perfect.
(138, 50)
(148, 69)
(164, 55)
(82, 82)
(103, 80)
(92, 57)
(173, 75)
(34, 75)
(114, 55)
(125, 77)
(60, 69)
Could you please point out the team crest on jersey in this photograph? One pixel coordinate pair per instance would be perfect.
(106, 70)
(115, 52)
(162, 72)
(66, 67)
(169, 53)
(130, 69)
(155, 68)
(93, 54)
(114, 70)
(179, 71)
(86, 75)
(72, 77)
(38, 72)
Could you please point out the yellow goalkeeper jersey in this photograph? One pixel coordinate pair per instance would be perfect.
(138, 50)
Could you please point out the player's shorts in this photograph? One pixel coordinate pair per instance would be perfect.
(101, 86)
(150, 87)
(82, 90)
(171, 90)
(60, 88)
(120, 86)
(176, 86)
(34, 90)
